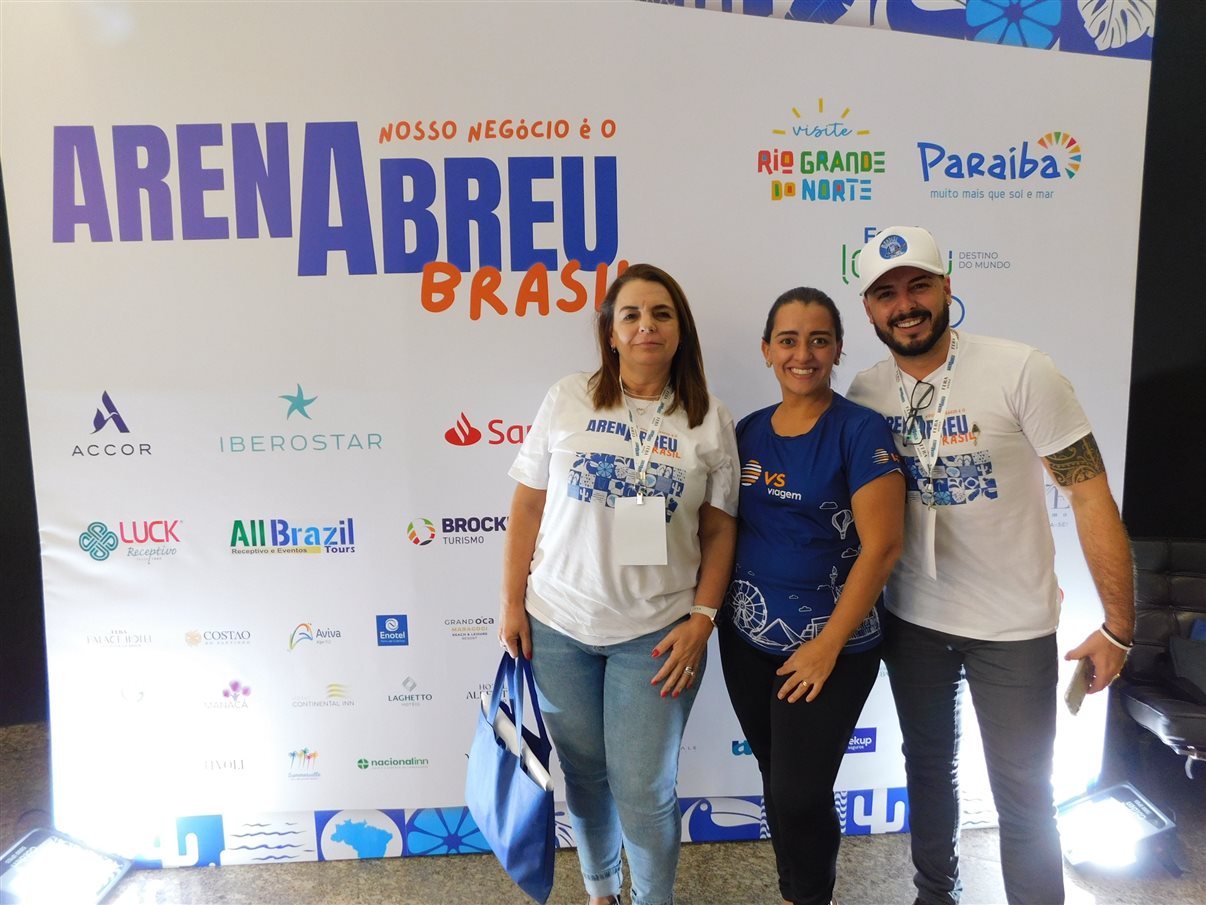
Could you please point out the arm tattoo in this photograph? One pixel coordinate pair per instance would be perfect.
(1078, 462)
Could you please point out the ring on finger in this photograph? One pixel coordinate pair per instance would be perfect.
(689, 670)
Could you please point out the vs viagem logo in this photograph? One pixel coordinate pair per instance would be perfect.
(295, 436)
(114, 440)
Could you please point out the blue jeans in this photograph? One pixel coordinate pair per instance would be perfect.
(1013, 687)
(618, 741)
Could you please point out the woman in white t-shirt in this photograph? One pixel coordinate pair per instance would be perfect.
(619, 548)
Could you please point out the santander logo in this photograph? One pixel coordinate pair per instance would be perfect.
(462, 433)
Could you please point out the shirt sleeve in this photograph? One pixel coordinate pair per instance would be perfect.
(723, 471)
(531, 465)
(1047, 408)
(870, 451)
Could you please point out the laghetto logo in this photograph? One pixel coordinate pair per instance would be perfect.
(1056, 155)
(835, 165)
(147, 540)
(421, 532)
(277, 535)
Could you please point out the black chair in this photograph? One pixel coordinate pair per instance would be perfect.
(1170, 595)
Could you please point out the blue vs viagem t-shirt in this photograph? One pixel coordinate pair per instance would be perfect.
(796, 537)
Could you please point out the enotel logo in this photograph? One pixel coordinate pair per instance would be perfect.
(105, 415)
(463, 433)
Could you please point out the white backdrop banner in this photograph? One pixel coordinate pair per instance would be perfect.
(292, 281)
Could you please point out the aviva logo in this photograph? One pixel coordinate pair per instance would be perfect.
(306, 631)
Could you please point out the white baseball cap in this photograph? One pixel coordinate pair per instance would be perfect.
(899, 246)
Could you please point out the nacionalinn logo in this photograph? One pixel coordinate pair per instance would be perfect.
(1040, 161)
(278, 535)
(146, 540)
(464, 433)
(109, 419)
(821, 155)
(329, 441)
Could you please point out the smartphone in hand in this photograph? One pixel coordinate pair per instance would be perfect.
(1074, 694)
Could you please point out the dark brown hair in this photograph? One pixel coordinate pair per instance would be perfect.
(686, 370)
(806, 295)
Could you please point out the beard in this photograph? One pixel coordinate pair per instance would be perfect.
(923, 344)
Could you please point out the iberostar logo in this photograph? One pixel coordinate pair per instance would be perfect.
(832, 159)
(421, 532)
(298, 403)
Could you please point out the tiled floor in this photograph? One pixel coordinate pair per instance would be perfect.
(872, 870)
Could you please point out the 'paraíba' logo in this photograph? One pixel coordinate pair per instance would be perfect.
(277, 535)
(1056, 155)
(833, 166)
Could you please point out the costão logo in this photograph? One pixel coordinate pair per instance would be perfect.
(237, 636)
(1061, 161)
(833, 172)
(463, 433)
(421, 532)
(329, 442)
(278, 536)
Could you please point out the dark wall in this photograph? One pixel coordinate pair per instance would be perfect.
(1166, 432)
(1166, 437)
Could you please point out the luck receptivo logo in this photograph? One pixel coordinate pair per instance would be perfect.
(146, 540)
(278, 535)
(821, 156)
(109, 421)
(295, 437)
(465, 433)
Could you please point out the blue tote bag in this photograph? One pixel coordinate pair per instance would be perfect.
(507, 787)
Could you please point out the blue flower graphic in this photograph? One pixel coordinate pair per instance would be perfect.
(443, 831)
(1022, 23)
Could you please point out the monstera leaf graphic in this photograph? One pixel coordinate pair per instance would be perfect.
(1113, 23)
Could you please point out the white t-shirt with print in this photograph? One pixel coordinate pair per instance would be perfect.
(1008, 407)
(583, 459)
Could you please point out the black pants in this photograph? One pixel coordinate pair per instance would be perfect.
(799, 748)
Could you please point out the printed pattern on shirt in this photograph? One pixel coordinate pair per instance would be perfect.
(957, 479)
(601, 477)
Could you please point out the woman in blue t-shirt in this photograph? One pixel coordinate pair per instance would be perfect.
(820, 525)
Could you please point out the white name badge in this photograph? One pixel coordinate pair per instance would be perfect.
(638, 531)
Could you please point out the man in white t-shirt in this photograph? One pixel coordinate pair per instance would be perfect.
(974, 595)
